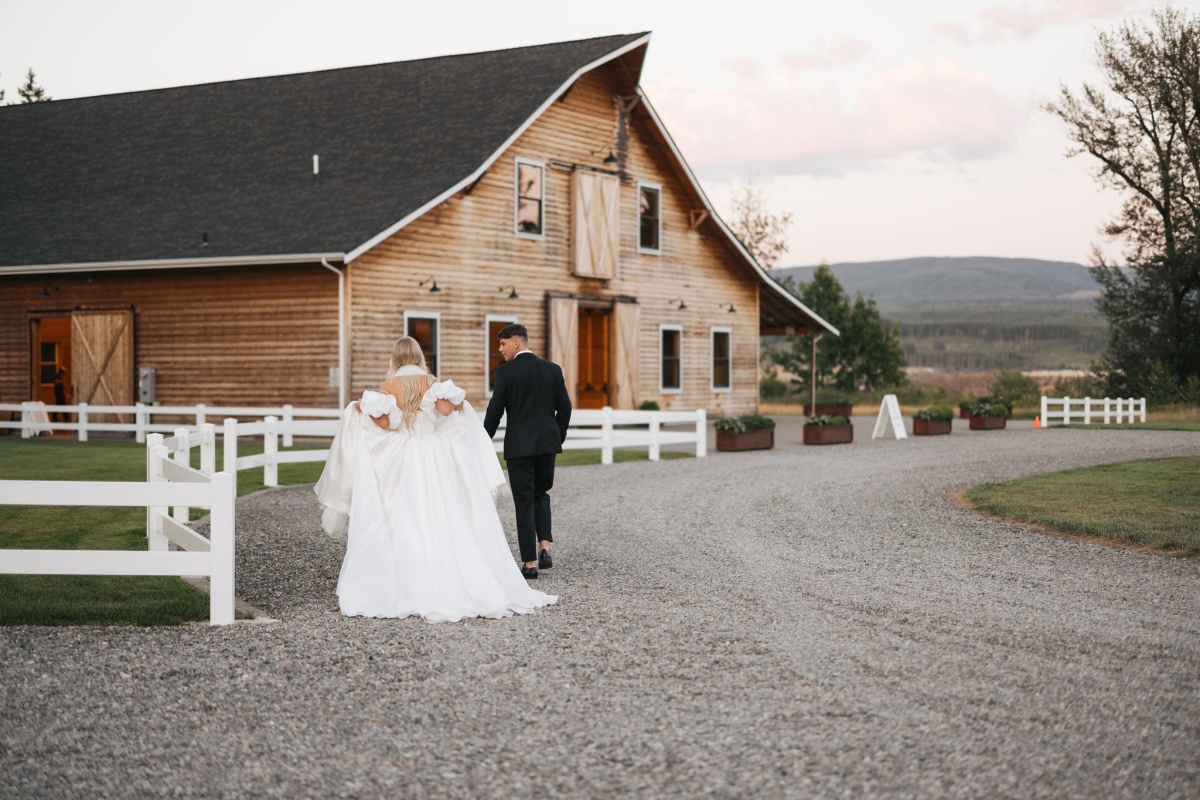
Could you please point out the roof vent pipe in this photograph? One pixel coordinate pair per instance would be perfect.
(316, 165)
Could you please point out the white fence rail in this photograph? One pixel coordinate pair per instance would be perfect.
(35, 418)
(1093, 409)
(169, 482)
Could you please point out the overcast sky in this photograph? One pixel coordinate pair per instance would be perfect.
(887, 129)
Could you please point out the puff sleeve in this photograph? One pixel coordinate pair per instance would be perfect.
(380, 404)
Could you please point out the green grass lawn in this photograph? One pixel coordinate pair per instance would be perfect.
(122, 600)
(1137, 426)
(1153, 502)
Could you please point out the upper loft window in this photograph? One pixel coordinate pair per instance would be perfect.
(531, 206)
(649, 218)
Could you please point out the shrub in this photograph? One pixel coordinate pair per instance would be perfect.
(935, 412)
(749, 422)
(985, 408)
(825, 419)
(649, 405)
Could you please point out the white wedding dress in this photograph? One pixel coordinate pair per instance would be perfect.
(418, 507)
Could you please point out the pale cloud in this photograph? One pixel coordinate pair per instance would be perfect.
(828, 55)
(1021, 20)
(777, 124)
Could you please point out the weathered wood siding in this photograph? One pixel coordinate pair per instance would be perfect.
(236, 336)
(469, 246)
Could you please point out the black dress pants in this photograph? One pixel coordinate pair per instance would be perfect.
(531, 479)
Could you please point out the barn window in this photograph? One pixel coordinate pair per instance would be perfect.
(670, 340)
(492, 325)
(722, 380)
(424, 327)
(530, 198)
(49, 361)
(649, 218)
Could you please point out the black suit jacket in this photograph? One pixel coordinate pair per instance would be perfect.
(531, 391)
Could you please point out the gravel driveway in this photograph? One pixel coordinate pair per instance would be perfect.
(801, 622)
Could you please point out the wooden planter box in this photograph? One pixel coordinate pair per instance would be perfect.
(964, 413)
(828, 434)
(731, 441)
(988, 423)
(930, 427)
(828, 409)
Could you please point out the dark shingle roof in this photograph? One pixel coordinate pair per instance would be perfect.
(141, 176)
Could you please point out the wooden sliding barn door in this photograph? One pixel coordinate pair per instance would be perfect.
(564, 340)
(624, 364)
(102, 356)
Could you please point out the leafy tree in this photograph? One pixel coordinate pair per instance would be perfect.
(1016, 386)
(31, 92)
(1143, 127)
(763, 234)
(866, 356)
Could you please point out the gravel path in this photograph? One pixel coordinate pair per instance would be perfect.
(795, 623)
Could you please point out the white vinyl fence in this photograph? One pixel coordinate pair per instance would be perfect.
(1093, 409)
(35, 417)
(169, 482)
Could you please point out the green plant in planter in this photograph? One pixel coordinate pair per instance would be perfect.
(965, 404)
(1004, 401)
(825, 419)
(935, 412)
(748, 422)
(649, 405)
(986, 408)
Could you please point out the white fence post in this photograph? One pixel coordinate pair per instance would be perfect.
(606, 435)
(200, 414)
(1045, 408)
(701, 433)
(1087, 411)
(1106, 411)
(1120, 413)
(208, 449)
(654, 430)
(155, 453)
(182, 455)
(271, 453)
(287, 425)
(221, 533)
(1143, 404)
(82, 418)
(1066, 411)
(139, 422)
(229, 455)
(26, 419)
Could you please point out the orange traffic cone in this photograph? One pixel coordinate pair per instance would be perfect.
(1037, 421)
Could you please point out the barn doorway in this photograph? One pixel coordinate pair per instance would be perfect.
(52, 374)
(593, 358)
(102, 357)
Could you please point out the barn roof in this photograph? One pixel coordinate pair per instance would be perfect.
(144, 176)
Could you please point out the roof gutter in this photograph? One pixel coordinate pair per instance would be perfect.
(180, 263)
(341, 276)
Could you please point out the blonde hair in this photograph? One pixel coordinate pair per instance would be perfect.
(408, 389)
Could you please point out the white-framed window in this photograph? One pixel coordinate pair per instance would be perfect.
(530, 205)
(492, 325)
(425, 327)
(722, 359)
(670, 359)
(649, 218)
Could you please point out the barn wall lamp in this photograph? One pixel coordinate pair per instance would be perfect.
(512, 295)
(682, 305)
(433, 288)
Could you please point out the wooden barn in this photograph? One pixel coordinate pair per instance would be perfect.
(264, 241)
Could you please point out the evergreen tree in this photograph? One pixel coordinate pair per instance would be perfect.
(1143, 128)
(31, 92)
(865, 357)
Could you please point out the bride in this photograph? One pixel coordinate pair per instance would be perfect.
(411, 479)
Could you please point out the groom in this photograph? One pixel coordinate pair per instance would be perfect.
(530, 390)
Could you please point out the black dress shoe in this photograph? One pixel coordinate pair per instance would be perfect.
(544, 560)
(529, 573)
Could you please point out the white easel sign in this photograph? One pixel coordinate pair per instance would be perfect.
(889, 414)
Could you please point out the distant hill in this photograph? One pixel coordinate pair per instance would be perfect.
(912, 282)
